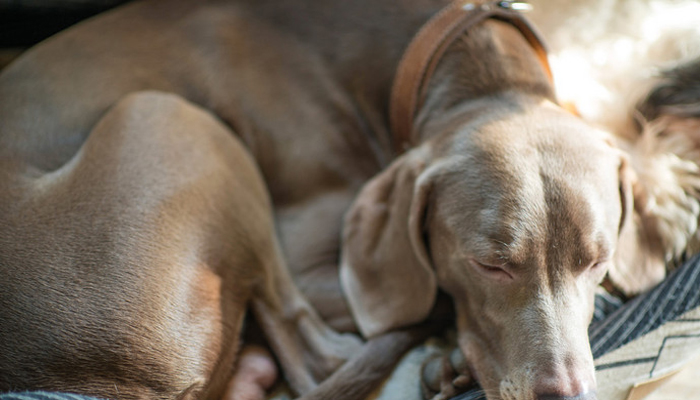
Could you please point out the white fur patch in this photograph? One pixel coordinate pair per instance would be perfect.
(667, 166)
(605, 54)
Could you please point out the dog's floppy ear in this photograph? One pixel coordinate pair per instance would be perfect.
(385, 270)
(639, 259)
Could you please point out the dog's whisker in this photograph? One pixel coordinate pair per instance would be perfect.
(491, 394)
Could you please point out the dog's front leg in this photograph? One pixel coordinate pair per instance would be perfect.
(445, 376)
(307, 348)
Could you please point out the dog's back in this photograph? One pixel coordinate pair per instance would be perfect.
(100, 292)
(112, 284)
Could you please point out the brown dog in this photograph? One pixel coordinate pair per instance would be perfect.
(153, 158)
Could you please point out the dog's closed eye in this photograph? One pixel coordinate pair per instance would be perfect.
(499, 272)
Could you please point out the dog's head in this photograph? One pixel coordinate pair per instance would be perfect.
(518, 218)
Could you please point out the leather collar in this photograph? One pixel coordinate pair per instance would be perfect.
(426, 49)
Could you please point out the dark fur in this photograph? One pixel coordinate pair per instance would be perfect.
(678, 94)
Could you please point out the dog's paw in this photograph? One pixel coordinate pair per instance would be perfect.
(327, 354)
(255, 373)
(445, 376)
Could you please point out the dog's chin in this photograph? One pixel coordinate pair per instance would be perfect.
(479, 365)
(486, 381)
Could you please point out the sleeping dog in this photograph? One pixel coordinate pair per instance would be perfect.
(171, 164)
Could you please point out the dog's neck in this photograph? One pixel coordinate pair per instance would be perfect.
(490, 59)
(490, 63)
(491, 70)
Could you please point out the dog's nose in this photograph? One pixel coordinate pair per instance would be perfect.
(566, 386)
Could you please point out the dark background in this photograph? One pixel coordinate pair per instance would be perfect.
(24, 23)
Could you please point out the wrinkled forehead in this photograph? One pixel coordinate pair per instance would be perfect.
(524, 179)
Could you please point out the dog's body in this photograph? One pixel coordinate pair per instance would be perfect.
(310, 192)
(310, 125)
(149, 217)
(137, 227)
